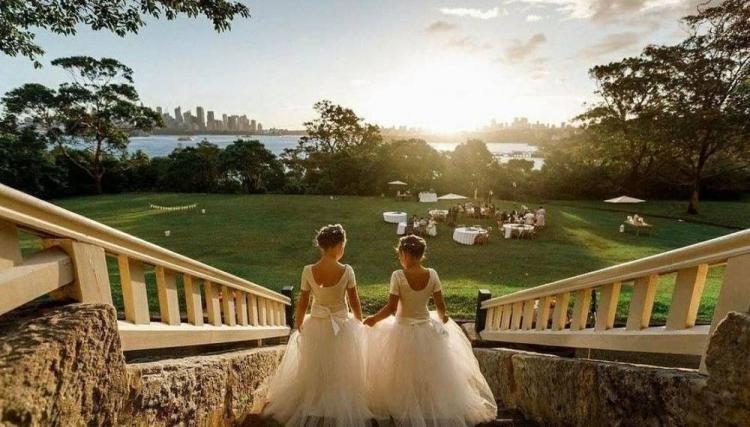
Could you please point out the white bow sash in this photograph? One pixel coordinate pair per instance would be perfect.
(436, 325)
(337, 317)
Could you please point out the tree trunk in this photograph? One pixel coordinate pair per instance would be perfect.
(694, 197)
(98, 183)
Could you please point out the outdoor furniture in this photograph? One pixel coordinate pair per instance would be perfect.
(438, 214)
(467, 235)
(518, 230)
(394, 217)
(638, 226)
(401, 228)
(428, 197)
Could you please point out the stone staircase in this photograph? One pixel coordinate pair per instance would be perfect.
(505, 417)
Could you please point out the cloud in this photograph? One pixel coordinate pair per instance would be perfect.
(440, 26)
(616, 10)
(611, 43)
(533, 18)
(468, 43)
(520, 50)
(474, 13)
(359, 82)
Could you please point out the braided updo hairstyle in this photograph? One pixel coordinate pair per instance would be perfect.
(412, 245)
(330, 236)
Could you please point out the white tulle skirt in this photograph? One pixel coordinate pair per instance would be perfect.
(321, 378)
(424, 373)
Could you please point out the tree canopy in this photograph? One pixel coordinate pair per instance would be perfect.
(19, 18)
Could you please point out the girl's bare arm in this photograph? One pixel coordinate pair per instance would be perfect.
(299, 314)
(384, 312)
(440, 305)
(354, 302)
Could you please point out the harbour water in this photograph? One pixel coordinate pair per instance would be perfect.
(162, 145)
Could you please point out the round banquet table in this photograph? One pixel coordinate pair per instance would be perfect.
(467, 235)
(394, 217)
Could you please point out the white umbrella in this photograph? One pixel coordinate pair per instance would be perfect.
(451, 196)
(624, 199)
(397, 183)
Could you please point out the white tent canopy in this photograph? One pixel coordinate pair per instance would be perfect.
(397, 183)
(451, 196)
(624, 199)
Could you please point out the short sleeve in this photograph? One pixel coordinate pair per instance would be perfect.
(304, 282)
(351, 281)
(395, 284)
(436, 285)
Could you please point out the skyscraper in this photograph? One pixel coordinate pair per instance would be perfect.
(187, 120)
(178, 115)
(210, 125)
(199, 115)
(253, 126)
(158, 110)
(224, 122)
(260, 128)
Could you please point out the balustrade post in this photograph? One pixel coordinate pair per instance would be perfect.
(560, 314)
(91, 273)
(193, 300)
(10, 248)
(288, 291)
(213, 306)
(605, 315)
(227, 306)
(581, 309)
(480, 317)
(528, 315)
(169, 306)
(542, 315)
(133, 287)
(686, 297)
(642, 302)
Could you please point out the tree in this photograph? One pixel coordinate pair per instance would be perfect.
(253, 165)
(706, 94)
(25, 163)
(623, 125)
(88, 119)
(338, 154)
(192, 169)
(18, 17)
(471, 166)
(414, 161)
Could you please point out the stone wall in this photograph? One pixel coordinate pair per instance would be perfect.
(63, 365)
(555, 390)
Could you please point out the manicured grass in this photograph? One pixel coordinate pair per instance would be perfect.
(731, 214)
(268, 239)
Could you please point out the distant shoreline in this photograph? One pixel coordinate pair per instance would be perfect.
(179, 132)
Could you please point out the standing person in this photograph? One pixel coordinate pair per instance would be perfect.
(321, 379)
(540, 217)
(421, 369)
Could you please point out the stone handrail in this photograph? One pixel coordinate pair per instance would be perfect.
(540, 315)
(73, 264)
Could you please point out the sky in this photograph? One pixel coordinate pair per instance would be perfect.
(440, 65)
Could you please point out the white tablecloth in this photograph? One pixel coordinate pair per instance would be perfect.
(509, 229)
(401, 228)
(428, 197)
(438, 213)
(467, 235)
(394, 217)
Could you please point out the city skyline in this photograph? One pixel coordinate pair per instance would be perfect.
(438, 66)
(206, 120)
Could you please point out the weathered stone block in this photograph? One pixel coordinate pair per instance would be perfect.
(61, 365)
(219, 389)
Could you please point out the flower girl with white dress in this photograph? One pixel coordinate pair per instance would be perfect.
(321, 378)
(421, 369)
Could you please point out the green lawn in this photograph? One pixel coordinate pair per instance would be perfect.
(731, 214)
(268, 238)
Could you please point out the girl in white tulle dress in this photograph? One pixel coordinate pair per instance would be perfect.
(421, 369)
(321, 379)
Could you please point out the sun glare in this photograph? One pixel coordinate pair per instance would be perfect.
(449, 93)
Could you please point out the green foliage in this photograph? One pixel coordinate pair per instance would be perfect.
(88, 119)
(252, 165)
(680, 113)
(20, 18)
